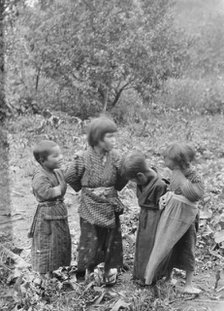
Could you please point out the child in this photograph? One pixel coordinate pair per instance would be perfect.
(51, 245)
(150, 187)
(96, 172)
(176, 233)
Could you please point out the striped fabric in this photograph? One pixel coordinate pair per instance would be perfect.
(51, 244)
(192, 189)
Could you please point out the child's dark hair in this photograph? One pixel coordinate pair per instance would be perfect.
(42, 150)
(134, 163)
(181, 154)
(98, 128)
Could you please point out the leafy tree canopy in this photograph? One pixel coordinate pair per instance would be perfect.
(95, 50)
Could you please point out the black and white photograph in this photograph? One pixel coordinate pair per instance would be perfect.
(111, 155)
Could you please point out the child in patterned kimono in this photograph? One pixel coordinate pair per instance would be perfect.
(96, 172)
(51, 245)
(150, 187)
(176, 232)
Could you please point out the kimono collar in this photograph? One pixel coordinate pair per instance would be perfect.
(48, 173)
(103, 156)
(144, 189)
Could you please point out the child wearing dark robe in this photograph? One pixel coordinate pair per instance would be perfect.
(97, 173)
(176, 231)
(51, 242)
(150, 187)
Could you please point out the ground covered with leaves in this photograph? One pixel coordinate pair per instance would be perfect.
(20, 288)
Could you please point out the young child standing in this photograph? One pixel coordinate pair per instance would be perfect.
(51, 245)
(97, 173)
(150, 187)
(176, 232)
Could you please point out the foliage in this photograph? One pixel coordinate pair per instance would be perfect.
(161, 127)
(204, 96)
(82, 56)
(210, 47)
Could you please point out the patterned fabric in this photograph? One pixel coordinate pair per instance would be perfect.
(51, 245)
(99, 180)
(43, 184)
(98, 244)
(175, 221)
(88, 171)
(148, 198)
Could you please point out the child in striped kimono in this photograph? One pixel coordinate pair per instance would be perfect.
(51, 244)
(176, 231)
(150, 187)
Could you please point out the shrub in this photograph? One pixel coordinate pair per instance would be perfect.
(202, 96)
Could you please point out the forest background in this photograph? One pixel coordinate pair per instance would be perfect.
(156, 67)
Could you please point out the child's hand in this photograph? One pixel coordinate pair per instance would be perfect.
(178, 179)
(164, 199)
(162, 203)
(61, 180)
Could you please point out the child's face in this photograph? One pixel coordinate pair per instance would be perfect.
(108, 142)
(141, 179)
(169, 163)
(54, 159)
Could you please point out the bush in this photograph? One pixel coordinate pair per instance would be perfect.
(204, 96)
(129, 109)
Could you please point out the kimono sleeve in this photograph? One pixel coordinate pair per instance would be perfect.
(160, 190)
(155, 193)
(121, 180)
(73, 174)
(193, 189)
(43, 189)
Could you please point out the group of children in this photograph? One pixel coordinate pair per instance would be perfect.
(168, 216)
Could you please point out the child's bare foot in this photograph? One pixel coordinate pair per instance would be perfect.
(110, 277)
(189, 289)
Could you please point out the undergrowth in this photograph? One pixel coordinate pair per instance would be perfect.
(150, 135)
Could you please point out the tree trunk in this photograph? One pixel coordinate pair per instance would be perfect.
(37, 79)
(105, 100)
(2, 69)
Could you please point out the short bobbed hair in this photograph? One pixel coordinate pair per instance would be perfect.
(42, 150)
(98, 128)
(134, 163)
(181, 154)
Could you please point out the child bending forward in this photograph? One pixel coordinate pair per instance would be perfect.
(150, 187)
(51, 245)
(176, 232)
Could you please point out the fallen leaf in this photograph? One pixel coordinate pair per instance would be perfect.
(89, 286)
(98, 289)
(205, 214)
(99, 299)
(219, 236)
(120, 304)
(207, 199)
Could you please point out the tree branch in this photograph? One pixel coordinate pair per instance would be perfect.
(118, 94)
